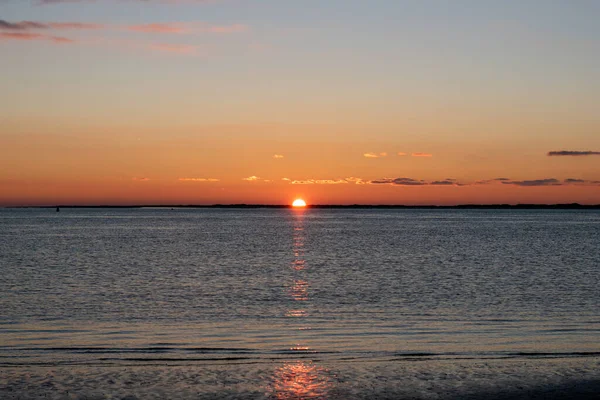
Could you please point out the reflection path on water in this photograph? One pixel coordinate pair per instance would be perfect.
(299, 379)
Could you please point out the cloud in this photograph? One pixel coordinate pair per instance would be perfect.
(551, 182)
(23, 30)
(404, 181)
(535, 182)
(573, 181)
(401, 154)
(573, 153)
(421, 155)
(357, 181)
(344, 181)
(198, 180)
(321, 182)
(21, 26)
(251, 178)
(375, 155)
(495, 180)
(33, 36)
(35, 30)
(279, 156)
(173, 27)
(33, 25)
(399, 181)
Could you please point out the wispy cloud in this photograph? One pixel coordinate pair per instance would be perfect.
(421, 155)
(278, 156)
(36, 30)
(34, 36)
(252, 178)
(198, 180)
(320, 182)
(170, 27)
(573, 153)
(357, 181)
(34, 25)
(374, 155)
(141, 179)
(342, 181)
(401, 154)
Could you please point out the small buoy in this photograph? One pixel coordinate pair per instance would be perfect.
(57, 209)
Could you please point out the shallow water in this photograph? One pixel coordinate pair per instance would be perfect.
(206, 287)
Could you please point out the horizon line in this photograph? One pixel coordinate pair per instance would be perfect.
(325, 206)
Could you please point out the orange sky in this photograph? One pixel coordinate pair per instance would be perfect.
(216, 164)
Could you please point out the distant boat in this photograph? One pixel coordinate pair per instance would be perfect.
(57, 209)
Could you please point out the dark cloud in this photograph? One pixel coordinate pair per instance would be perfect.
(21, 26)
(399, 181)
(503, 181)
(33, 25)
(536, 182)
(573, 153)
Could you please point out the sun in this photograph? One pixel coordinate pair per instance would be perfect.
(299, 203)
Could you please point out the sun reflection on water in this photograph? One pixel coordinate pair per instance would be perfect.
(299, 290)
(299, 380)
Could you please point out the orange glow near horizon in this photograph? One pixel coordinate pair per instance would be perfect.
(299, 203)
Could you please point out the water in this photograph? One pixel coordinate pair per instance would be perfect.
(206, 287)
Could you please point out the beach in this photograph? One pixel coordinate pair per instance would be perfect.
(456, 379)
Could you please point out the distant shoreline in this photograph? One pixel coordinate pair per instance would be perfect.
(572, 206)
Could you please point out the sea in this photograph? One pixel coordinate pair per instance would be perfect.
(296, 303)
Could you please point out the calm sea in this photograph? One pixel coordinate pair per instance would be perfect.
(110, 286)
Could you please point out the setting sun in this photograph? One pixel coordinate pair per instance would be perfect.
(299, 203)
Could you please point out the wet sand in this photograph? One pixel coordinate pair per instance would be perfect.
(570, 378)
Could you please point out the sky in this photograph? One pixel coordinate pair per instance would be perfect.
(263, 101)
